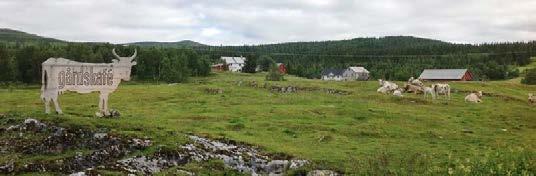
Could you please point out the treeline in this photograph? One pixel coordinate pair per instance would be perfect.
(384, 46)
(393, 58)
(21, 62)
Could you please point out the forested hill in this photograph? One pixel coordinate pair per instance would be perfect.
(389, 45)
(391, 58)
(179, 44)
(10, 35)
(370, 45)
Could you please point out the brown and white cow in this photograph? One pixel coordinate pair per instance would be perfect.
(60, 75)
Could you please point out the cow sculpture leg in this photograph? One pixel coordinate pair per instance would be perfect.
(47, 105)
(103, 104)
(57, 105)
(49, 96)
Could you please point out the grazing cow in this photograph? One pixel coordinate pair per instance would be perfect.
(441, 89)
(474, 97)
(60, 75)
(532, 99)
(429, 90)
(382, 90)
(398, 93)
(413, 88)
(416, 82)
(390, 86)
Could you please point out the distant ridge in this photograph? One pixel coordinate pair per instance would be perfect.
(10, 35)
(179, 44)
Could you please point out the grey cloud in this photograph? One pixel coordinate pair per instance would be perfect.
(234, 22)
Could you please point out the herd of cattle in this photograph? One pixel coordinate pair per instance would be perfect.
(417, 86)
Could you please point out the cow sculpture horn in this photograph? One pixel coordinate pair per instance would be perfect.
(115, 54)
(134, 55)
(131, 57)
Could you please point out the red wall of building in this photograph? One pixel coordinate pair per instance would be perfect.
(467, 77)
(282, 69)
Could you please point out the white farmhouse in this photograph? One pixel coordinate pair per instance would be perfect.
(234, 64)
(356, 73)
(348, 74)
(333, 74)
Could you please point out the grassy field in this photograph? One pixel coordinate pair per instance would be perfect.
(361, 133)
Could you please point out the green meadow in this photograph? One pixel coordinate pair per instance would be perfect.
(361, 133)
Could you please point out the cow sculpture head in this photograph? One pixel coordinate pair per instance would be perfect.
(123, 65)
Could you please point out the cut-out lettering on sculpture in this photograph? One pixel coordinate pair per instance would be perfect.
(60, 75)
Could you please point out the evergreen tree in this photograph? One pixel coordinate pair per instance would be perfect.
(274, 74)
(250, 65)
(530, 77)
(174, 69)
(265, 62)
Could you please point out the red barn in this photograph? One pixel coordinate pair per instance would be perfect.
(218, 67)
(282, 68)
(446, 75)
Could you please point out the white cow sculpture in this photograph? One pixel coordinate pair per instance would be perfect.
(60, 75)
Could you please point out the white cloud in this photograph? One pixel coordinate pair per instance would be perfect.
(236, 22)
(209, 32)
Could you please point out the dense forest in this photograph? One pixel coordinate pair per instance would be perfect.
(393, 58)
(22, 62)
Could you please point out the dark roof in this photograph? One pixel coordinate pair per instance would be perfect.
(333, 71)
(443, 74)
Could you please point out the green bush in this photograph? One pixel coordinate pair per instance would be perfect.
(530, 77)
(274, 74)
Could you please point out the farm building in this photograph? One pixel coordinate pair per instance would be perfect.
(234, 64)
(356, 73)
(446, 75)
(333, 74)
(282, 68)
(218, 67)
(351, 73)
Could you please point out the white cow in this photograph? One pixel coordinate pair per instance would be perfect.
(532, 99)
(389, 86)
(398, 93)
(474, 97)
(416, 82)
(429, 90)
(441, 89)
(382, 90)
(60, 75)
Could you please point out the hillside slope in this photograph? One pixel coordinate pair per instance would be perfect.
(358, 133)
(179, 44)
(10, 35)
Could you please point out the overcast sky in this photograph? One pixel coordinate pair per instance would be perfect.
(234, 22)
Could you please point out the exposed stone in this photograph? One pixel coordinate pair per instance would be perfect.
(322, 173)
(34, 125)
(7, 168)
(294, 164)
(141, 165)
(13, 128)
(108, 151)
(241, 158)
(78, 174)
(183, 172)
(114, 113)
(100, 135)
(140, 143)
